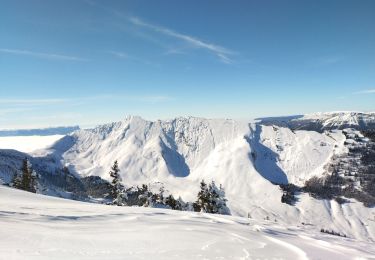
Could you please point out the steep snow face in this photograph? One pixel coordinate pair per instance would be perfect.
(247, 159)
(299, 155)
(325, 121)
(40, 227)
(145, 149)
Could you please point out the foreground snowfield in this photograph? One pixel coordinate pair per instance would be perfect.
(40, 227)
(28, 144)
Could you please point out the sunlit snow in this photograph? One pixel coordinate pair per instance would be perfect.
(40, 227)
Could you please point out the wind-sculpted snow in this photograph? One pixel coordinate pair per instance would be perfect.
(40, 227)
(246, 159)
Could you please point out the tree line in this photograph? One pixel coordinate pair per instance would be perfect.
(210, 198)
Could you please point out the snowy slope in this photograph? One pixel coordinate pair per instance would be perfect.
(325, 121)
(247, 159)
(39, 227)
(10, 163)
(300, 154)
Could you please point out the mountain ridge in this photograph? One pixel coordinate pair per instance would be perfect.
(246, 158)
(322, 121)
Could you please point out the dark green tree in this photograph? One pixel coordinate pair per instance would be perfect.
(27, 180)
(118, 190)
(217, 200)
(211, 199)
(171, 202)
(203, 198)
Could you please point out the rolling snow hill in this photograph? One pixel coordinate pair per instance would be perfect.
(34, 226)
(324, 121)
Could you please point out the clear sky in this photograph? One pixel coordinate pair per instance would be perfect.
(90, 61)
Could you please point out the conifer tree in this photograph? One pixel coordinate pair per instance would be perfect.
(181, 205)
(33, 181)
(27, 180)
(171, 202)
(26, 175)
(160, 196)
(217, 199)
(118, 190)
(203, 198)
(17, 181)
(211, 199)
(145, 197)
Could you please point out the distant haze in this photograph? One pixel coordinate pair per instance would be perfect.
(62, 130)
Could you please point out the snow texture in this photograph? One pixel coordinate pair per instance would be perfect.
(34, 226)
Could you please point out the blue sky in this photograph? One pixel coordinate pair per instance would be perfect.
(90, 61)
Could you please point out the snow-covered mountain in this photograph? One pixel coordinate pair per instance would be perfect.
(41, 227)
(247, 159)
(324, 121)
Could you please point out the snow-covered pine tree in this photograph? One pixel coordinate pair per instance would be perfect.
(176, 204)
(211, 199)
(171, 202)
(145, 196)
(182, 205)
(202, 203)
(17, 181)
(26, 174)
(160, 197)
(118, 190)
(27, 180)
(33, 181)
(217, 200)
